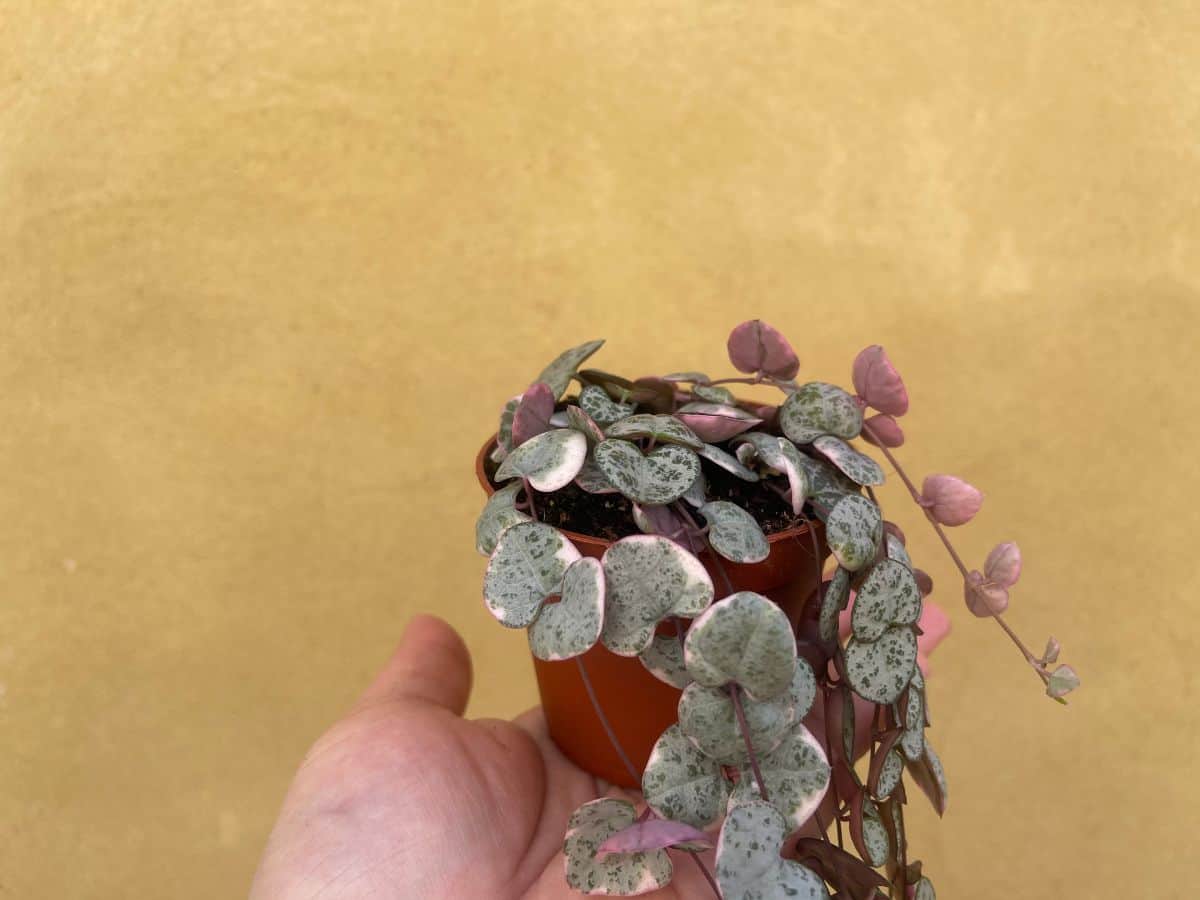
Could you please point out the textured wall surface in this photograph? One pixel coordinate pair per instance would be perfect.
(268, 270)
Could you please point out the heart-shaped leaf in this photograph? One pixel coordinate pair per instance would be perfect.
(880, 670)
(579, 420)
(665, 429)
(558, 374)
(818, 408)
(950, 500)
(1062, 681)
(837, 594)
(984, 598)
(755, 347)
(572, 626)
(780, 456)
(649, 578)
(526, 569)
(854, 529)
(744, 639)
(714, 394)
(826, 485)
(708, 718)
(749, 866)
(888, 596)
(930, 777)
(878, 382)
(549, 461)
(796, 774)
(592, 480)
(659, 477)
(733, 533)
(655, 834)
(1003, 564)
(713, 422)
(664, 660)
(858, 467)
(504, 431)
(890, 771)
(681, 783)
(621, 874)
(594, 401)
(729, 463)
(533, 413)
(498, 514)
(883, 431)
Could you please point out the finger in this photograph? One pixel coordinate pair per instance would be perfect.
(431, 665)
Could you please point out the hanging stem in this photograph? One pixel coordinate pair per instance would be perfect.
(529, 499)
(608, 729)
(708, 876)
(735, 694)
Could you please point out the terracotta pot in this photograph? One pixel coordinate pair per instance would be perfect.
(639, 706)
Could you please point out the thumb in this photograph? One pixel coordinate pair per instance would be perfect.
(431, 666)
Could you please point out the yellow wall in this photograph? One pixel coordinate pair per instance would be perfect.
(267, 271)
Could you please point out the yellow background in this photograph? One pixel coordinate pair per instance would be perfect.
(268, 270)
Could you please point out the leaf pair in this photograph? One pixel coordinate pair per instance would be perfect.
(881, 655)
(749, 865)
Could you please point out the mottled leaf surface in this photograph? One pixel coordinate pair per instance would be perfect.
(550, 461)
(854, 529)
(924, 890)
(572, 626)
(734, 533)
(664, 660)
(837, 594)
(887, 596)
(912, 742)
(876, 844)
(498, 514)
(796, 773)
(818, 408)
(594, 401)
(889, 775)
(858, 467)
(711, 394)
(749, 866)
(745, 639)
(779, 456)
(708, 718)
(504, 430)
(728, 462)
(591, 479)
(879, 670)
(526, 568)
(659, 477)
(826, 485)
(681, 783)
(579, 420)
(616, 874)
(558, 374)
(663, 428)
(697, 493)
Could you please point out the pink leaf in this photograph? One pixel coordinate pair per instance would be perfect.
(1063, 680)
(712, 428)
(755, 346)
(983, 597)
(883, 431)
(878, 383)
(533, 413)
(1003, 564)
(895, 531)
(950, 500)
(653, 834)
(1053, 648)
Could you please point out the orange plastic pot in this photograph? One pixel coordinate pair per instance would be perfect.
(639, 707)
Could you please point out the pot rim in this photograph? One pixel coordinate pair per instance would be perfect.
(575, 536)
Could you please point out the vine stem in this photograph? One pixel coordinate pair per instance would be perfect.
(962, 568)
(608, 729)
(529, 499)
(708, 876)
(735, 694)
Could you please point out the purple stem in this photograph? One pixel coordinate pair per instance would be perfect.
(608, 729)
(529, 499)
(735, 695)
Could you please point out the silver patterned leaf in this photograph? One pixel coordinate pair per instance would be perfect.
(498, 514)
(572, 626)
(504, 430)
(826, 485)
(649, 578)
(924, 890)
(559, 373)
(659, 477)
(897, 551)
(803, 690)
(549, 461)
(621, 874)
(579, 420)
(592, 480)
(681, 783)
(887, 596)
(749, 866)
(858, 467)
(912, 742)
(526, 568)
(726, 461)
(818, 408)
(708, 719)
(714, 394)
(594, 401)
(930, 777)
(889, 775)
(880, 670)
(834, 600)
(780, 456)
(664, 660)
(697, 494)
(796, 774)
(734, 533)
(854, 529)
(663, 428)
(876, 842)
(744, 639)
(714, 422)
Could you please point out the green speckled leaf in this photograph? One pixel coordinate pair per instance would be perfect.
(596, 403)
(550, 460)
(663, 428)
(526, 568)
(708, 719)
(837, 595)
(664, 660)
(912, 742)
(572, 626)
(504, 431)
(579, 420)
(498, 514)
(897, 551)
(648, 579)
(681, 783)
(879, 670)
(818, 408)
(887, 596)
(728, 462)
(745, 639)
(924, 890)
(592, 480)
(876, 844)
(826, 485)
(713, 394)
(854, 530)
(803, 690)
(858, 467)
(889, 775)
(618, 874)
(697, 494)
(796, 774)
(749, 866)
(559, 373)
(780, 456)
(734, 533)
(658, 478)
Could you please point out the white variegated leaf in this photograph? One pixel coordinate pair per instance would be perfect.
(780, 456)
(697, 494)
(879, 670)
(875, 836)
(549, 461)
(708, 719)
(664, 660)
(887, 596)
(744, 639)
(659, 477)
(681, 783)
(603, 410)
(858, 467)
(889, 775)
(663, 428)
(818, 408)
(504, 431)
(498, 514)
(614, 874)
(734, 533)
(526, 568)
(897, 551)
(796, 773)
(576, 418)
(854, 529)
(559, 373)
(749, 866)
(826, 485)
(572, 626)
